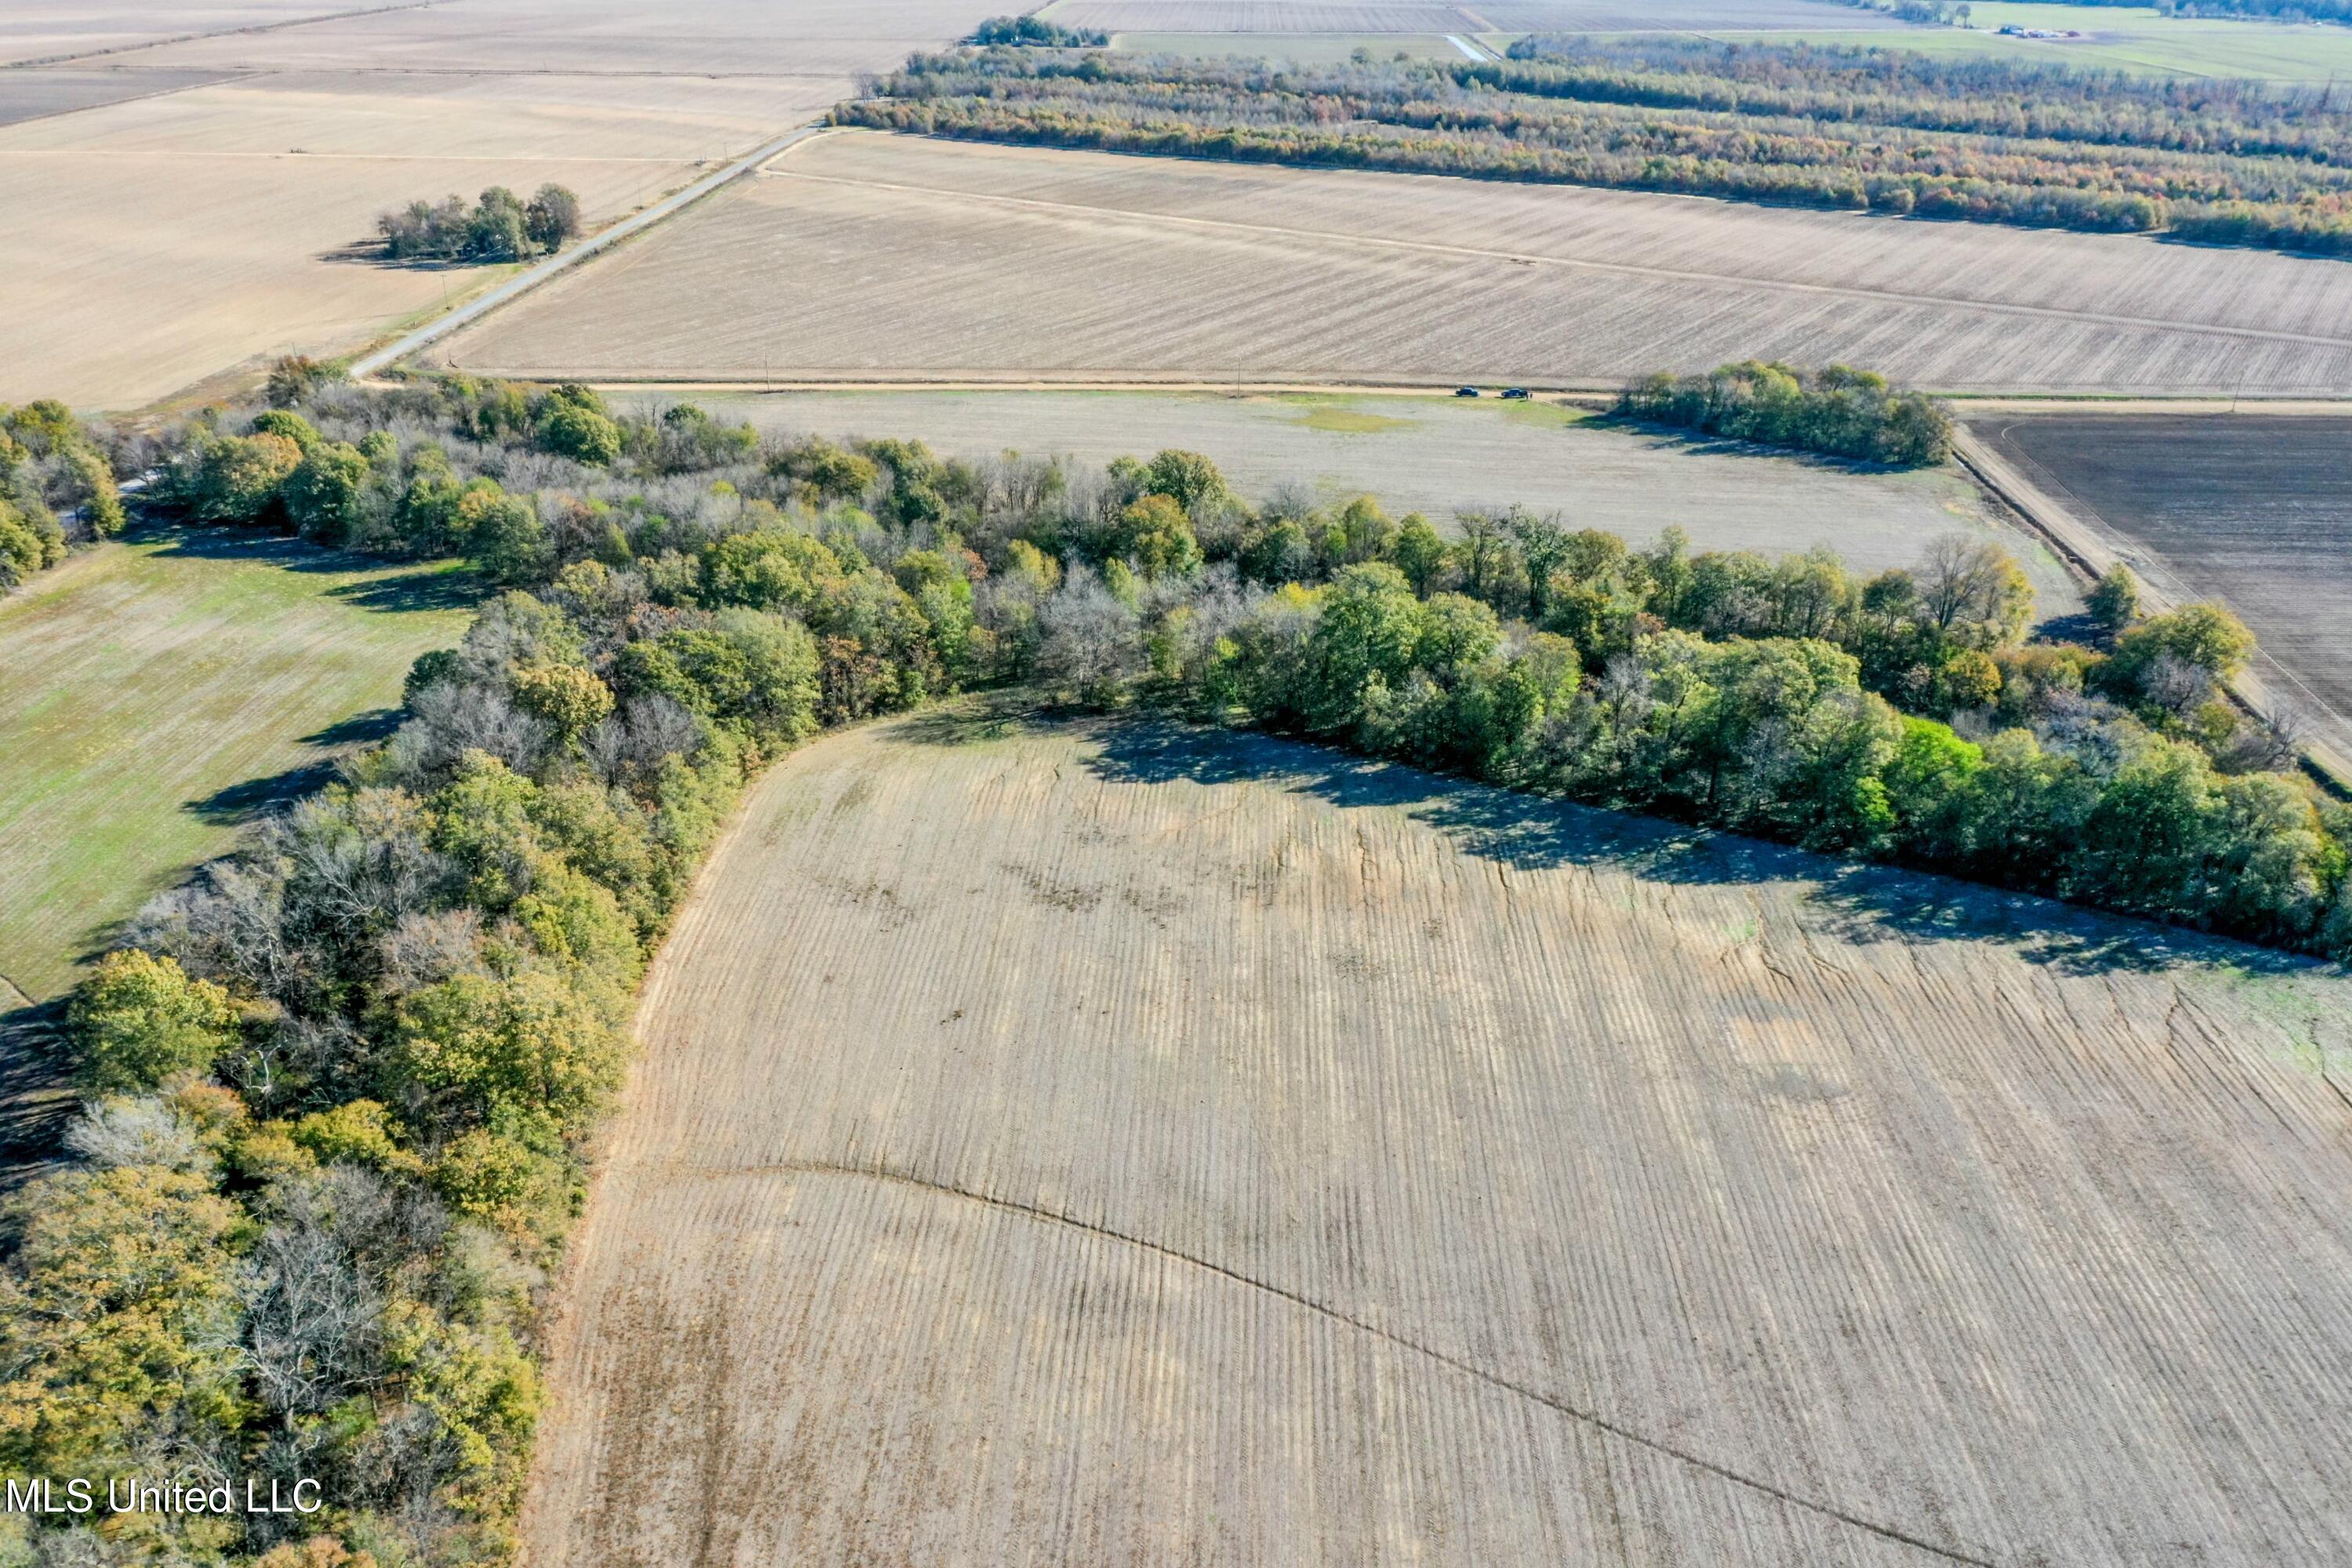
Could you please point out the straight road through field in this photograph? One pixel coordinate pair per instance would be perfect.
(523, 282)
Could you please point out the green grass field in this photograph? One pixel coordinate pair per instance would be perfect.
(156, 694)
(2125, 38)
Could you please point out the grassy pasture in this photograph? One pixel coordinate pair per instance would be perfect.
(1116, 1144)
(160, 692)
(2132, 38)
(1017, 264)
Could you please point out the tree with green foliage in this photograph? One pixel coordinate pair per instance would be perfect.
(117, 1316)
(573, 423)
(2114, 600)
(143, 1020)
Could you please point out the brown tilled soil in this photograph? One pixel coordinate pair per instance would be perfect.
(862, 256)
(2251, 508)
(1110, 1143)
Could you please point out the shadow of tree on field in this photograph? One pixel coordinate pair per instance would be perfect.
(1855, 901)
(360, 729)
(249, 800)
(1672, 438)
(426, 588)
(428, 585)
(37, 1095)
(972, 720)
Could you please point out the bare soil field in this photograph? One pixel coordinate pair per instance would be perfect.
(157, 242)
(1022, 263)
(49, 29)
(1110, 1143)
(38, 94)
(2254, 509)
(1473, 17)
(697, 38)
(1439, 455)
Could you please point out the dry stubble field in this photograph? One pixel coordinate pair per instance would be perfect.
(1473, 17)
(156, 242)
(1106, 1143)
(867, 257)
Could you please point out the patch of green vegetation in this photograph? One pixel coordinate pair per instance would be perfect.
(1544, 416)
(163, 690)
(2131, 38)
(1347, 421)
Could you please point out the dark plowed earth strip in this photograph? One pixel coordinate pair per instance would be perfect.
(1110, 1143)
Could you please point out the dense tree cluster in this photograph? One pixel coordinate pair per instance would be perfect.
(56, 485)
(339, 1083)
(1856, 129)
(502, 228)
(1835, 410)
(1981, 95)
(1036, 32)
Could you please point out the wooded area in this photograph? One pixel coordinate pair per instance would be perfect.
(55, 486)
(1983, 140)
(342, 1083)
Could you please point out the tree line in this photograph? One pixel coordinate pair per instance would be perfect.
(340, 1084)
(1981, 95)
(56, 486)
(501, 227)
(1036, 32)
(1813, 141)
(1836, 410)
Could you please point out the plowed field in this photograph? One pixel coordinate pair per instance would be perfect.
(1109, 1144)
(1021, 263)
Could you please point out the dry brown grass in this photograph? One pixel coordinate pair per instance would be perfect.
(868, 257)
(1113, 1145)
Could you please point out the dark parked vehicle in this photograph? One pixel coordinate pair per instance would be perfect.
(1520, 393)
(1465, 391)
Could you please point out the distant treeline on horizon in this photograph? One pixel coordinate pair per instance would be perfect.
(1990, 141)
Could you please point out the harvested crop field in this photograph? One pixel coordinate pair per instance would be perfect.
(1110, 1143)
(1292, 49)
(1023, 263)
(1439, 455)
(1474, 17)
(38, 94)
(2251, 508)
(35, 30)
(213, 228)
(159, 694)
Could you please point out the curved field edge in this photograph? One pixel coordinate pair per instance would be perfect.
(1117, 1141)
